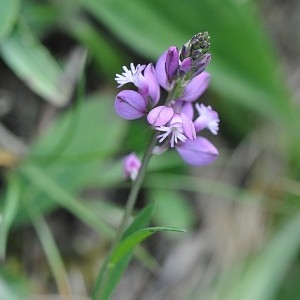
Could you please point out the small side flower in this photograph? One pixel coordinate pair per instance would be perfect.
(131, 166)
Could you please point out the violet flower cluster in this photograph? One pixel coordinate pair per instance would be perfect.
(179, 120)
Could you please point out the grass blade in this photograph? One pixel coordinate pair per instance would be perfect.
(32, 62)
(119, 259)
(52, 253)
(8, 14)
(10, 209)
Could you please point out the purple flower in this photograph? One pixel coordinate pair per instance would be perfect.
(130, 105)
(208, 118)
(179, 131)
(161, 74)
(181, 73)
(177, 127)
(172, 63)
(131, 166)
(144, 78)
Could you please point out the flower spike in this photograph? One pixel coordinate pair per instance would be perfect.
(182, 74)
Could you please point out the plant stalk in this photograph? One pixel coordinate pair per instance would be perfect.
(131, 200)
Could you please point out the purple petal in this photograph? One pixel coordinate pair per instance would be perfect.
(199, 152)
(188, 127)
(160, 70)
(142, 84)
(130, 105)
(172, 63)
(187, 108)
(160, 115)
(196, 87)
(208, 118)
(153, 85)
(186, 65)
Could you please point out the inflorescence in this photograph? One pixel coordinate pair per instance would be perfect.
(179, 122)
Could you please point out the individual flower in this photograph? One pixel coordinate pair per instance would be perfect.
(179, 131)
(171, 63)
(176, 127)
(128, 104)
(208, 118)
(131, 166)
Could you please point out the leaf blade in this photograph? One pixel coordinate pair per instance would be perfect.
(119, 259)
(8, 15)
(32, 62)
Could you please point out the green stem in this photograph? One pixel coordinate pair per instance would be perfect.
(132, 197)
(138, 182)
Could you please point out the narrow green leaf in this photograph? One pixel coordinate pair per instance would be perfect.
(8, 14)
(31, 61)
(140, 220)
(120, 258)
(109, 277)
(9, 212)
(52, 253)
(131, 241)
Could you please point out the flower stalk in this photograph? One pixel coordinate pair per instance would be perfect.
(135, 188)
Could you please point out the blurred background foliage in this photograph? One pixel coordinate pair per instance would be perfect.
(62, 187)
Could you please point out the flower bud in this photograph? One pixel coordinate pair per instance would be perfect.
(201, 64)
(186, 65)
(172, 63)
(196, 48)
(200, 41)
(131, 166)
